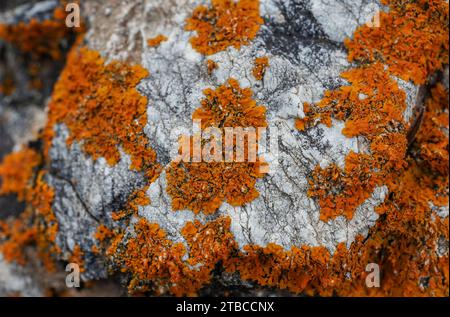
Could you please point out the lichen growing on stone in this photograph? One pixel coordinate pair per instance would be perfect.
(157, 40)
(372, 107)
(104, 113)
(211, 66)
(412, 39)
(15, 236)
(204, 185)
(158, 265)
(102, 109)
(226, 23)
(341, 192)
(36, 225)
(16, 172)
(38, 38)
(395, 242)
(38, 42)
(261, 64)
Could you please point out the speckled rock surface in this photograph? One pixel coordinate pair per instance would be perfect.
(303, 40)
(306, 58)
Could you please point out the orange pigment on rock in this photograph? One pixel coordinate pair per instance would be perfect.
(157, 40)
(203, 186)
(372, 106)
(412, 39)
(211, 66)
(226, 23)
(261, 64)
(157, 265)
(103, 110)
(16, 172)
(36, 225)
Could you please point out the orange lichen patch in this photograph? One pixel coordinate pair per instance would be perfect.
(106, 237)
(102, 109)
(103, 233)
(157, 264)
(211, 66)
(136, 199)
(39, 42)
(157, 40)
(412, 39)
(406, 235)
(226, 23)
(203, 186)
(77, 257)
(41, 199)
(371, 101)
(150, 256)
(208, 243)
(434, 143)
(273, 266)
(16, 171)
(14, 237)
(230, 106)
(341, 192)
(37, 224)
(40, 39)
(372, 106)
(261, 64)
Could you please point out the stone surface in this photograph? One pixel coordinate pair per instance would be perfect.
(306, 56)
(304, 42)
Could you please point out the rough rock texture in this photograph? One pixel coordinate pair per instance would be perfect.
(303, 40)
(306, 58)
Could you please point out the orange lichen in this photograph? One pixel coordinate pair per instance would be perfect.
(211, 66)
(434, 143)
(226, 23)
(412, 38)
(41, 199)
(413, 41)
(341, 192)
(16, 171)
(372, 106)
(203, 186)
(103, 233)
(157, 40)
(406, 235)
(77, 257)
(14, 237)
(230, 106)
(37, 224)
(157, 264)
(38, 42)
(40, 39)
(150, 256)
(136, 199)
(102, 109)
(261, 64)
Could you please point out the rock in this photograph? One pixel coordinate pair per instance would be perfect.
(304, 43)
(306, 58)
